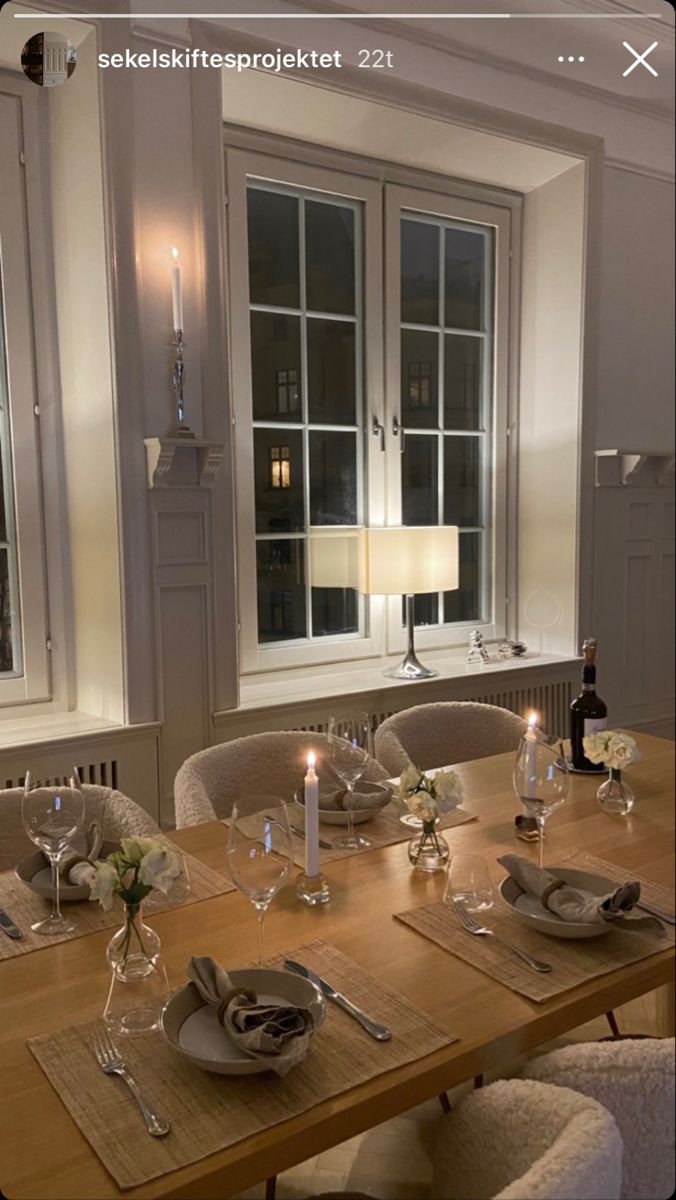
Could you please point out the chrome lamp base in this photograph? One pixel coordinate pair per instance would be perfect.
(410, 667)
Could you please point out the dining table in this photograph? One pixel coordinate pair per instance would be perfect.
(42, 1151)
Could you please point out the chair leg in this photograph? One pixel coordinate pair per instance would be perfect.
(271, 1187)
(478, 1081)
(445, 1103)
(614, 1027)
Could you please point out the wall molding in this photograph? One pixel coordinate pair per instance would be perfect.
(622, 164)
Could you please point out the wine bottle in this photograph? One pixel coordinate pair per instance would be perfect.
(588, 713)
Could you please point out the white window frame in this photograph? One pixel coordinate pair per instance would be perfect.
(381, 203)
(30, 681)
(398, 202)
(240, 169)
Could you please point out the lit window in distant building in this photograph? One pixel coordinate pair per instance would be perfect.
(280, 467)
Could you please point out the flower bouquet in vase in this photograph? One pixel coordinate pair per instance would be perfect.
(426, 797)
(138, 981)
(617, 751)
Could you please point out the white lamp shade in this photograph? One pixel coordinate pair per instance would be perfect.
(418, 558)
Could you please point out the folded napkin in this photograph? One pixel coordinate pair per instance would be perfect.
(277, 1032)
(75, 866)
(575, 904)
(333, 796)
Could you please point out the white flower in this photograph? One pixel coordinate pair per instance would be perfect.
(423, 805)
(159, 867)
(622, 752)
(409, 780)
(596, 746)
(82, 874)
(448, 789)
(104, 884)
(135, 849)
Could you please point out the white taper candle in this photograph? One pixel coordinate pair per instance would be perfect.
(176, 293)
(311, 818)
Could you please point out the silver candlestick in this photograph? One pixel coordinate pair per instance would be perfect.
(182, 428)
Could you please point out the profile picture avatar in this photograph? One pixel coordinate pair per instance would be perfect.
(48, 59)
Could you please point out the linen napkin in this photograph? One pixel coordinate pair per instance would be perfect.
(280, 1033)
(333, 793)
(576, 904)
(71, 863)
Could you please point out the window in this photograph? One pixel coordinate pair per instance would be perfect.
(369, 352)
(24, 673)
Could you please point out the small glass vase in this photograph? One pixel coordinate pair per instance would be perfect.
(429, 850)
(139, 982)
(615, 796)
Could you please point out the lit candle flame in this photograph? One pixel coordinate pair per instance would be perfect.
(532, 722)
(174, 252)
(311, 761)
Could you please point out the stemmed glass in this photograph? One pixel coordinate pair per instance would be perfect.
(349, 740)
(51, 817)
(540, 780)
(260, 853)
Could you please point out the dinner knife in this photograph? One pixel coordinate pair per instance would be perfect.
(7, 925)
(379, 1032)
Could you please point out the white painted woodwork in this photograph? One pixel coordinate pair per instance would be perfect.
(54, 60)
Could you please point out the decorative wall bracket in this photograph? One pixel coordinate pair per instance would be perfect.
(634, 468)
(182, 462)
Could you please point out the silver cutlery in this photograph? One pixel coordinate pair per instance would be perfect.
(471, 926)
(656, 912)
(111, 1063)
(380, 1032)
(300, 833)
(7, 925)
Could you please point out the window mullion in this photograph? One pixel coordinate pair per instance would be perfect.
(305, 409)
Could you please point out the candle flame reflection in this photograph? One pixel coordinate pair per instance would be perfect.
(532, 721)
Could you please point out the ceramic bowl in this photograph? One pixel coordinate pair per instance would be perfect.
(192, 1030)
(531, 911)
(34, 870)
(380, 791)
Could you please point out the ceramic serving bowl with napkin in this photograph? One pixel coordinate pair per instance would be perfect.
(367, 799)
(35, 871)
(242, 1022)
(567, 903)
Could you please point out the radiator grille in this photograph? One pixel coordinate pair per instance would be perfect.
(103, 773)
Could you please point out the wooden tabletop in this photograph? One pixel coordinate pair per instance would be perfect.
(42, 1153)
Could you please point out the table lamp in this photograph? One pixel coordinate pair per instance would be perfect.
(400, 561)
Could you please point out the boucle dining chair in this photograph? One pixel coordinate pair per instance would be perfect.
(264, 764)
(522, 1140)
(440, 735)
(634, 1079)
(119, 816)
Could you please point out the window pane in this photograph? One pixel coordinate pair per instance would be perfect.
(461, 481)
(331, 372)
(419, 489)
(333, 478)
(426, 609)
(275, 367)
(462, 382)
(329, 254)
(465, 603)
(274, 274)
(334, 610)
(464, 254)
(281, 589)
(419, 379)
(6, 652)
(419, 273)
(278, 471)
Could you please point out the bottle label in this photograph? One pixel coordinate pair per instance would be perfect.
(594, 725)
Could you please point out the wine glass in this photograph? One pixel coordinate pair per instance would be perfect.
(260, 853)
(540, 780)
(51, 817)
(349, 740)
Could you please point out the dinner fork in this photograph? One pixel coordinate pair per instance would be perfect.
(468, 923)
(112, 1063)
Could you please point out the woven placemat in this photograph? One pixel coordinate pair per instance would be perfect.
(384, 830)
(210, 1112)
(87, 916)
(573, 962)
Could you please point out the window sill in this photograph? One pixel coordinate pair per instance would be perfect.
(34, 730)
(298, 687)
